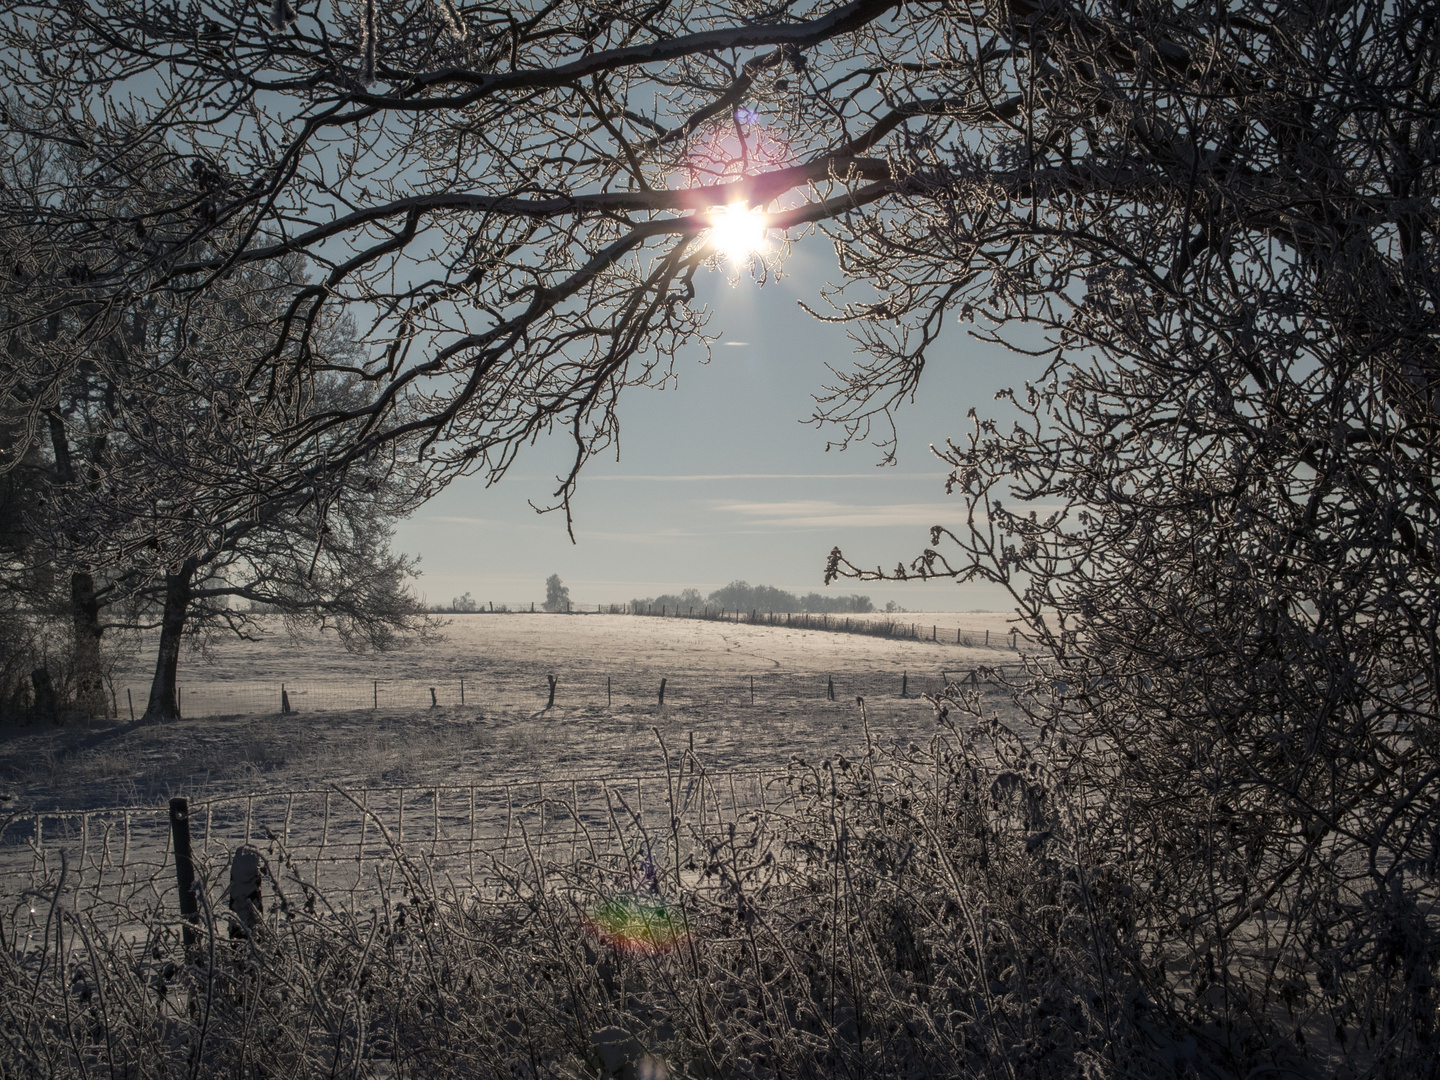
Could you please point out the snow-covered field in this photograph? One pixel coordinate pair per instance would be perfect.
(504, 733)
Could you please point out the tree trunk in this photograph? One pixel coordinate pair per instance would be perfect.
(46, 707)
(162, 704)
(85, 620)
(84, 609)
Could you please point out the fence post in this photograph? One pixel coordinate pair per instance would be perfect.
(830, 687)
(551, 702)
(284, 701)
(904, 684)
(179, 699)
(130, 698)
(433, 702)
(244, 895)
(184, 867)
(377, 694)
(987, 638)
(752, 691)
(662, 691)
(607, 691)
(462, 692)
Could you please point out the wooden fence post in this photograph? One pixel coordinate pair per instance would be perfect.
(551, 702)
(607, 691)
(130, 698)
(462, 692)
(830, 687)
(987, 638)
(904, 684)
(433, 702)
(377, 695)
(244, 894)
(662, 691)
(752, 691)
(934, 632)
(184, 867)
(284, 701)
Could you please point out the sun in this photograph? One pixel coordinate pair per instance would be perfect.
(738, 231)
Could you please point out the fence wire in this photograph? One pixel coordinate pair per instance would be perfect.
(345, 848)
(533, 691)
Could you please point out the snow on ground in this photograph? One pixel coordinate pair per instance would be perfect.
(504, 733)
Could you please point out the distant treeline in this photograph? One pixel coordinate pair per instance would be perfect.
(742, 596)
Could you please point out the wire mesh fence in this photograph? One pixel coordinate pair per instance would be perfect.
(118, 866)
(537, 690)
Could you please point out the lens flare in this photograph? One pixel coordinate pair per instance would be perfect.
(737, 231)
(634, 924)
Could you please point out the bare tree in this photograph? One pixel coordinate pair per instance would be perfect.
(195, 506)
(502, 205)
(1217, 509)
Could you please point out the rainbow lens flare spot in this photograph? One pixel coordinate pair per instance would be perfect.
(638, 925)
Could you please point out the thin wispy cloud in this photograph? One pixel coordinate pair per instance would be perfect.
(818, 513)
(689, 477)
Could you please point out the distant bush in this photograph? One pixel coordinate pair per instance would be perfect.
(557, 596)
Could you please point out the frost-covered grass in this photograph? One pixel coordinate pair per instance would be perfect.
(503, 732)
(931, 896)
(947, 910)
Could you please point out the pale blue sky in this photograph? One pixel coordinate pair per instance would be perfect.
(718, 479)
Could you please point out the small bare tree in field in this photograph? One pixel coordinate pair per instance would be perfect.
(1219, 222)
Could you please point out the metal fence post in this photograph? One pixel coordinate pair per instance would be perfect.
(184, 867)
